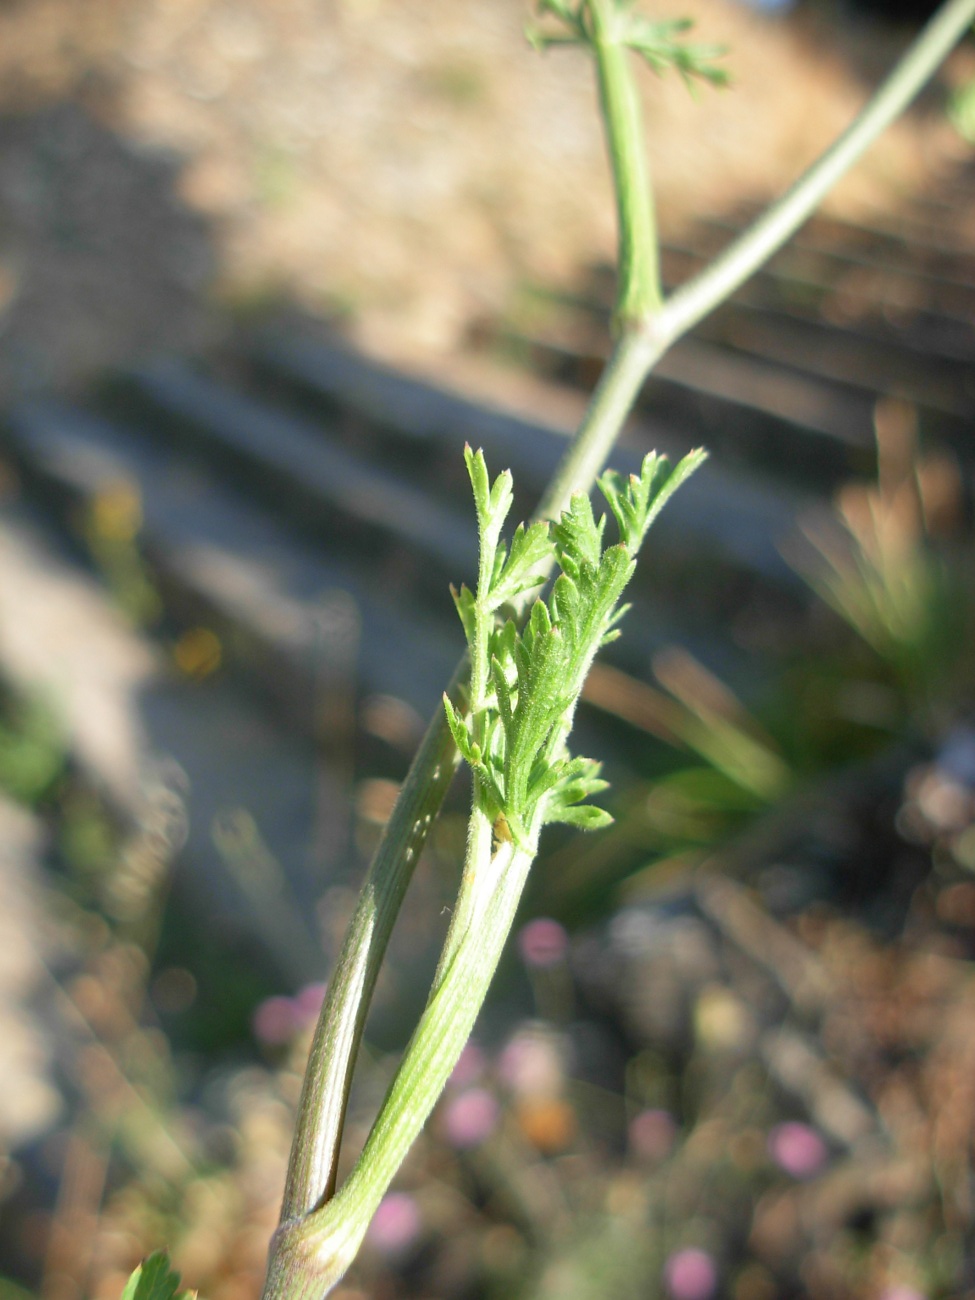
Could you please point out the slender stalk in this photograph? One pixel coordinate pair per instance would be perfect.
(700, 295)
(310, 1255)
(638, 264)
(636, 352)
(328, 1075)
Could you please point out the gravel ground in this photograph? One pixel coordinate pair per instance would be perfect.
(405, 167)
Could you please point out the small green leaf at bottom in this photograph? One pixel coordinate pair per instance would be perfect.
(155, 1280)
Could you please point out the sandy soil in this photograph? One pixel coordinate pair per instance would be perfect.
(406, 166)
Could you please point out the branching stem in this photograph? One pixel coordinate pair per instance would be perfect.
(700, 295)
(321, 1229)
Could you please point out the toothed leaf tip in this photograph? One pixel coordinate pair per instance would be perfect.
(154, 1279)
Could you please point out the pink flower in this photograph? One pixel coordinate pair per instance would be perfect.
(797, 1149)
(902, 1293)
(531, 1063)
(651, 1134)
(690, 1275)
(470, 1118)
(275, 1021)
(396, 1224)
(543, 944)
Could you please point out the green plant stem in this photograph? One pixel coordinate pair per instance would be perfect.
(638, 262)
(320, 1230)
(321, 1110)
(636, 352)
(701, 294)
(310, 1255)
(328, 1077)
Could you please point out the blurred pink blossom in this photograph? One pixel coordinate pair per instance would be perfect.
(396, 1224)
(470, 1118)
(902, 1293)
(543, 944)
(691, 1275)
(652, 1134)
(797, 1149)
(531, 1063)
(275, 1021)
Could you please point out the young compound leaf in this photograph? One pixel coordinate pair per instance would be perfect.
(561, 9)
(461, 734)
(501, 497)
(492, 501)
(503, 692)
(629, 498)
(524, 566)
(572, 19)
(570, 779)
(477, 472)
(599, 598)
(464, 604)
(574, 792)
(541, 701)
(661, 46)
(578, 538)
(567, 609)
(579, 779)
(529, 682)
(155, 1280)
(615, 570)
(681, 472)
(612, 632)
(506, 648)
(636, 501)
(586, 816)
(539, 622)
